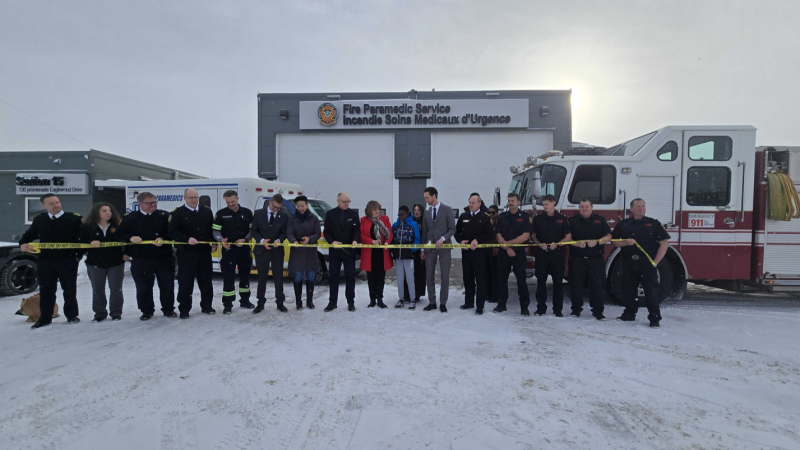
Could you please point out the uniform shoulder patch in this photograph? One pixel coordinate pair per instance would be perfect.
(530, 219)
(77, 214)
(169, 219)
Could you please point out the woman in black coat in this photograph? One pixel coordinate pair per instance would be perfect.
(104, 263)
(303, 228)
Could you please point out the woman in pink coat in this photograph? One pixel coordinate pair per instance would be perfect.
(375, 229)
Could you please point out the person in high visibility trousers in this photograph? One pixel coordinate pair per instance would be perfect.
(232, 228)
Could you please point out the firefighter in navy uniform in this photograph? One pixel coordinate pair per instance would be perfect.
(192, 223)
(149, 262)
(586, 262)
(474, 227)
(637, 268)
(55, 266)
(513, 227)
(232, 228)
(550, 227)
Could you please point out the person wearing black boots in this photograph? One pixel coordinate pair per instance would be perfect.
(419, 264)
(494, 277)
(342, 227)
(653, 241)
(104, 265)
(232, 229)
(55, 266)
(303, 228)
(513, 227)
(149, 263)
(377, 230)
(474, 227)
(269, 227)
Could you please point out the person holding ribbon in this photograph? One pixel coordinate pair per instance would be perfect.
(376, 230)
(55, 266)
(474, 227)
(304, 228)
(550, 228)
(149, 262)
(652, 239)
(438, 228)
(231, 228)
(405, 231)
(104, 263)
(513, 227)
(586, 261)
(191, 223)
(342, 227)
(269, 228)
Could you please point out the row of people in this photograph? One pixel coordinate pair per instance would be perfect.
(484, 270)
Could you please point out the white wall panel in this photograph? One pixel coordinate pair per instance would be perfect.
(361, 164)
(462, 163)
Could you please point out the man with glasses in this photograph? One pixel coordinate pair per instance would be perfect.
(342, 227)
(269, 228)
(149, 262)
(192, 223)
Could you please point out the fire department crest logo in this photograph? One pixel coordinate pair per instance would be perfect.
(327, 114)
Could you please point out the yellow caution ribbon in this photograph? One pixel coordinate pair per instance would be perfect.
(36, 247)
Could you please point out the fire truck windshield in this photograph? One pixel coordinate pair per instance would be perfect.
(630, 147)
(550, 181)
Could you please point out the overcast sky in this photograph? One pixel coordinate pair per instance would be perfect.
(174, 83)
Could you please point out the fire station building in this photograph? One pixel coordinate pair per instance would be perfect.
(388, 146)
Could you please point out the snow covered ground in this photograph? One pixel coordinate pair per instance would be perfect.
(710, 378)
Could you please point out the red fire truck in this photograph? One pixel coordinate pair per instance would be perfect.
(706, 184)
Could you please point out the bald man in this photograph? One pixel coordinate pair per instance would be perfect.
(342, 227)
(192, 223)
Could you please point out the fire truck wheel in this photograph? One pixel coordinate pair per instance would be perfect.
(665, 282)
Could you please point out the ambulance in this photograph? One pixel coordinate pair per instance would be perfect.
(254, 193)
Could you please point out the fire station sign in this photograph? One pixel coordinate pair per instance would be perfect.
(52, 183)
(383, 114)
(705, 220)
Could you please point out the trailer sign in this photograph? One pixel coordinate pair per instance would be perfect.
(701, 220)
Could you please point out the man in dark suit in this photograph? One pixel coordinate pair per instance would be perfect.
(269, 227)
(55, 266)
(342, 227)
(150, 262)
(191, 223)
(438, 227)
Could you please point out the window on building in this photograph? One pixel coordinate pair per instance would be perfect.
(668, 152)
(708, 186)
(598, 183)
(710, 148)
